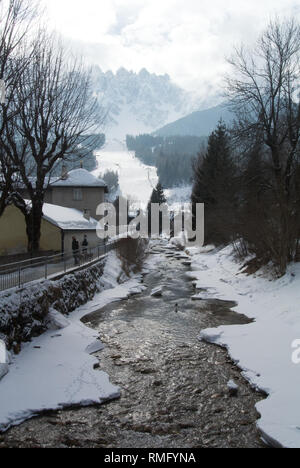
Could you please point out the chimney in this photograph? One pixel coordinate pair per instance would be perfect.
(87, 214)
(64, 172)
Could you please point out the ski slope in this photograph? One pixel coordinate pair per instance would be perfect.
(137, 180)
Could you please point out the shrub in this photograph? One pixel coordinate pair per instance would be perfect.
(132, 253)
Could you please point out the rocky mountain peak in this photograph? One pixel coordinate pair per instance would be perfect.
(140, 102)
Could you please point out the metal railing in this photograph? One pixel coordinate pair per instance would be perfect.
(16, 275)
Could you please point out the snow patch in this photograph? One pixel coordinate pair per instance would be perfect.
(4, 360)
(233, 388)
(94, 347)
(262, 349)
(56, 320)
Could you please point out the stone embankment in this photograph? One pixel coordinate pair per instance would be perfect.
(24, 312)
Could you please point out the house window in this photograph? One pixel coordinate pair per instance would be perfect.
(77, 194)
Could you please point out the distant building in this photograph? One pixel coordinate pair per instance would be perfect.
(59, 225)
(77, 189)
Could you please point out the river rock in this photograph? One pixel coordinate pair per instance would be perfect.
(157, 292)
(95, 347)
(233, 389)
(136, 290)
(197, 297)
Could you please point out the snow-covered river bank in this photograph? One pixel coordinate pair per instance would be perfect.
(174, 388)
(267, 350)
(56, 370)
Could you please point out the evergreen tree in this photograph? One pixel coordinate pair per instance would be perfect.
(157, 197)
(172, 156)
(111, 179)
(215, 185)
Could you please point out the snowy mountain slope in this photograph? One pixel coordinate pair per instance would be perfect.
(177, 196)
(137, 180)
(140, 102)
(199, 123)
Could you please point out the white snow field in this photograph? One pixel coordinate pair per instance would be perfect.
(177, 196)
(266, 350)
(56, 370)
(137, 181)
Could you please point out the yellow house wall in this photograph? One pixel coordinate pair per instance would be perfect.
(13, 237)
(50, 237)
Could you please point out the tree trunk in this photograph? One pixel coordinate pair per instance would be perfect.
(283, 199)
(3, 201)
(33, 227)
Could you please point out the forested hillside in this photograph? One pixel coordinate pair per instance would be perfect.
(84, 155)
(172, 156)
(199, 123)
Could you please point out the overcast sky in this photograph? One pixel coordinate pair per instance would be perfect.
(188, 39)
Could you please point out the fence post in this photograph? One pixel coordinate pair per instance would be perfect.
(46, 269)
(19, 277)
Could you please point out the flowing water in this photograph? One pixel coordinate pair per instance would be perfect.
(174, 387)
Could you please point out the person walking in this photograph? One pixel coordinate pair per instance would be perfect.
(85, 245)
(75, 248)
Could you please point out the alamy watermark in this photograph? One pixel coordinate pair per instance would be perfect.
(157, 220)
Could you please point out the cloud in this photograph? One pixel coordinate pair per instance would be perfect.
(88, 21)
(188, 39)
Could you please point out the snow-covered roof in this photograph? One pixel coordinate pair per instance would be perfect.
(68, 219)
(79, 178)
